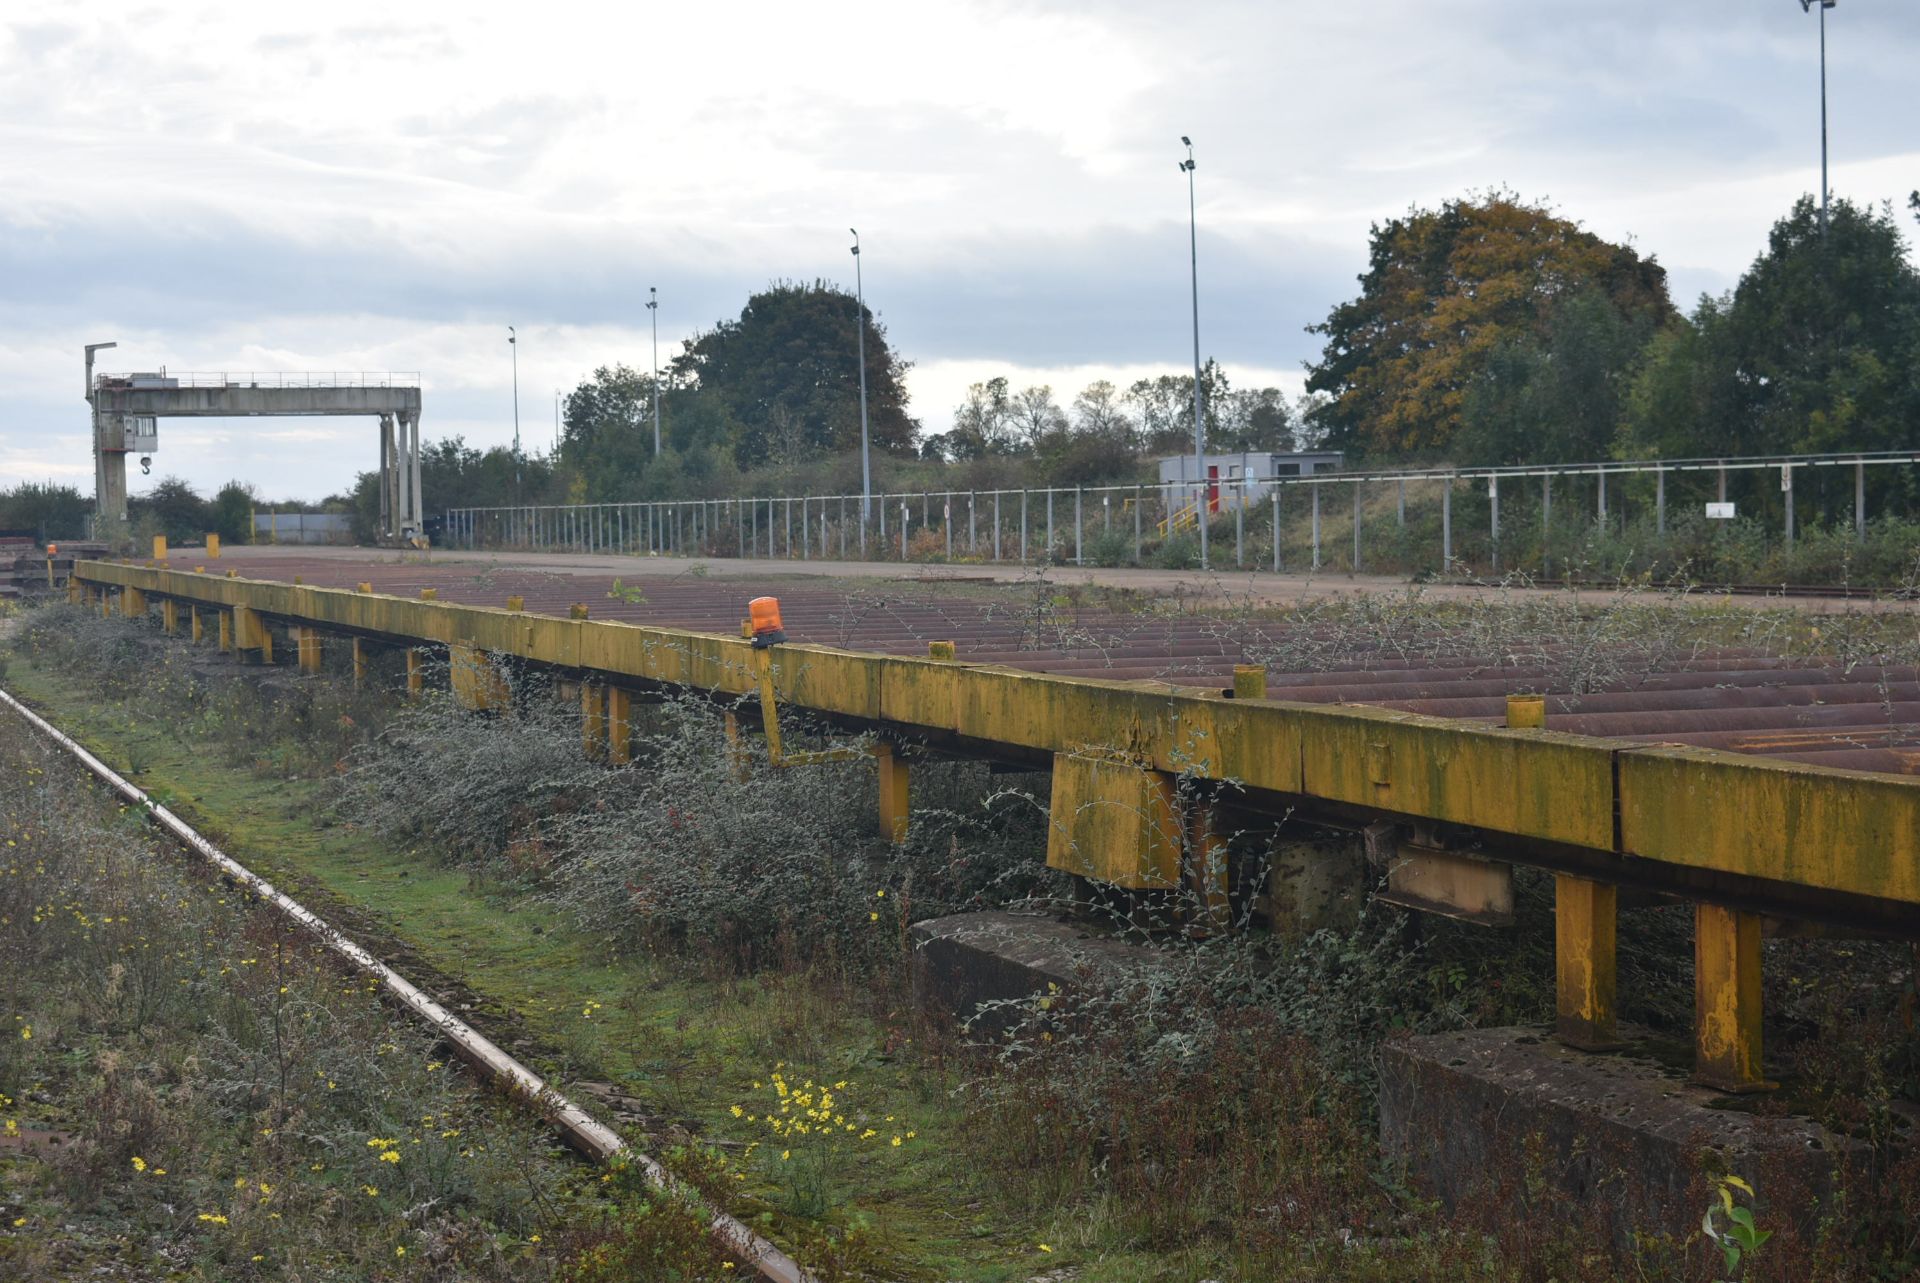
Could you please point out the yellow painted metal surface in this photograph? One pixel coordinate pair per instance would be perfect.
(307, 649)
(619, 725)
(359, 662)
(1532, 783)
(133, 602)
(477, 683)
(159, 547)
(1844, 831)
(213, 545)
(1113, 820)
(197, 630)
(1249, 681)
(593, 718)
(226, 632)
(249, 633)
(1526, 712)
(1451, 883)
(169, 616)
(416, 673)
(1726, 999)
(894, 813)
(1586, 915)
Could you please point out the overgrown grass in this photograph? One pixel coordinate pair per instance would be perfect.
(190, 1087)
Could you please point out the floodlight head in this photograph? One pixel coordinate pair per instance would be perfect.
(1188, 141)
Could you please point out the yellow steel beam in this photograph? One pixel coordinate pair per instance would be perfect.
(1726, 999)
(1839, 830)
(1585, 916)
(1113, 820)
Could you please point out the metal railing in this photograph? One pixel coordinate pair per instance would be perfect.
(1059, 524)
(260, 379)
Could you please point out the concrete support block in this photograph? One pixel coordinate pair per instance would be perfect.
(894, 807)
(968, 959)
(1316, 883)
(1621, 1143)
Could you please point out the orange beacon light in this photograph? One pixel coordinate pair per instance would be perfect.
(764, 612)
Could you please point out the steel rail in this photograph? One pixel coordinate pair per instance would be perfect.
(580, 1129)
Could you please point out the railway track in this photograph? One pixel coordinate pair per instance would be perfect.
(579, 1129)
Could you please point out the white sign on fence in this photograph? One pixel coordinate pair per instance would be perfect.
(1720, 511)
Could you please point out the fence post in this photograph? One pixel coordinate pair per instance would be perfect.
(1446, 526)
(1401, 501)
(905, 511)
(1603, 496)
(1240, 527)
(946, 522)
(1786, 486)
(1079, 531)
(1660, 501)
(1276, 527)
(973, 526)
(1356, 527)
(1860, 501)
(1137, 499)
(1546, 524)
(1493, 506)
(1316, 527)
(996, 525)
(1049, 525)
(1023, 527)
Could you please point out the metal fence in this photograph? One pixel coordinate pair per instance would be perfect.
(302, 528)
(1118, 524)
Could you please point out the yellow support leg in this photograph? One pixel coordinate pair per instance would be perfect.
(196, 629)
(1207, 868)
(1726, 999)
(1585, 915)
(133, 603)
(477, 681)
(893, 792)
(226, 632)
(593, 719)
(416, 673)
(359, 662)
(619, 725)
(265, 635)
(737, 758)
(169, 617)
(308, 641)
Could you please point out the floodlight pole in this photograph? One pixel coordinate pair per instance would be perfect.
(653, 307)
(1805, 6)
(860, 328)
(1201, 512)
(513, 345)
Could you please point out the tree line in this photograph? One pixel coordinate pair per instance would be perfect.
(1491, 330)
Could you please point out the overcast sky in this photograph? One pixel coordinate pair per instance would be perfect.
(379, 186)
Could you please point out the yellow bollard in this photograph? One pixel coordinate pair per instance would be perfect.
(1527, 712)
(1249, 681)
(213, 545)
(159, 547)
(429, 594)
(516, 603)
(940, 650)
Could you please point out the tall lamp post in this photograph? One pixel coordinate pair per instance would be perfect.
(860, 328)
(1806, 6)
(653, 307)
(513, 345)
(1201, 513)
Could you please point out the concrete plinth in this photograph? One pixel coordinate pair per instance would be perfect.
(1620, 1143)
(962, 961)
